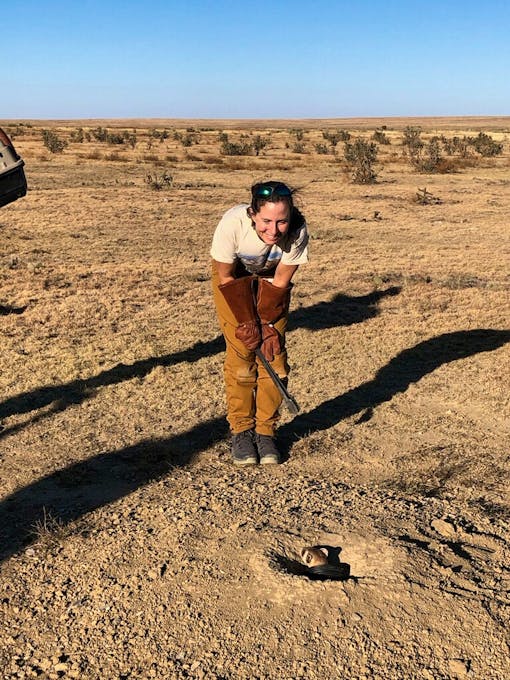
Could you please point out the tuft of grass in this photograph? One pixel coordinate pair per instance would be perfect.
(157, 182)
(49, 531)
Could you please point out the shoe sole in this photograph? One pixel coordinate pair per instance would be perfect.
(269, 460)
(245, 461)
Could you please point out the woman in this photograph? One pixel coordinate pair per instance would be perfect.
(256, 251)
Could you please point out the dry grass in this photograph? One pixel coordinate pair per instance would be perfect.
(111, 375)
(112, 272)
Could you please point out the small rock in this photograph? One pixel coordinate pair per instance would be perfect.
(459, 668)
(443, 528)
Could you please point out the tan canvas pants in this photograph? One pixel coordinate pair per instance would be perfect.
(252, 398)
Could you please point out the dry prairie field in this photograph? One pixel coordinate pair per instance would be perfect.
(130, 546)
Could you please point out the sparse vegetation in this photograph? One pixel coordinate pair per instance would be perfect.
(187, 138)
(299, 147)
(102, 135)
(242, 148)
(298, 133)
(321, 149)
(381, 137)
(424, 197)
(360, 156)
(175, 564)
(428, 157)
(259, 144)
(412, 145)
(77, 136)
(52, 141)
(485, 145)
(158, 180)
(49, 531)
(161, 135)
(334, 137)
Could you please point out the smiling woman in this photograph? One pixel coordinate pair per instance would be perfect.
(256, 251)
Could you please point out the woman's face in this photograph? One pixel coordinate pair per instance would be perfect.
(271, 221)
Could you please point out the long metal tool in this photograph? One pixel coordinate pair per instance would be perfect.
(288, 400)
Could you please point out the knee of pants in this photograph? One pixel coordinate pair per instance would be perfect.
(242, 373)
(246, 375)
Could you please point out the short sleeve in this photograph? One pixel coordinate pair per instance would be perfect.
(298, 251)
(224, 244)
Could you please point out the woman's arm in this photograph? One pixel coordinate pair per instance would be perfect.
(283, 274)
(225, 271)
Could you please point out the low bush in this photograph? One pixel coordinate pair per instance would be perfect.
(361, 155)
(299, 147)
(321, 149)
(229, 148)
(52, 142)
(381, 137)
(259, 144)
(157, 182)
(334, 137)
(485, 145)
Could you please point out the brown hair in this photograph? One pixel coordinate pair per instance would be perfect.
(279, 191)
(276, 192)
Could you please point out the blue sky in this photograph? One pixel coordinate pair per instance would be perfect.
(198, 59)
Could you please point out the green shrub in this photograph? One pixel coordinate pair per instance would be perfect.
(321, 149)
(188, 138)
(334, 137)
(298, 147)
(229, 148)
(157, 182)
(431, 162)
(100, 134)
(361, 155)
(485, 145)
(381, 137)
(77, 136)
(52, 142)
(412, 144)
(160, 134)
(259, 144)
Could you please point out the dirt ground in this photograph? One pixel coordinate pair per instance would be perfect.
(130, 546)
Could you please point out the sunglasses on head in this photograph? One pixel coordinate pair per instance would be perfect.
(267, 192)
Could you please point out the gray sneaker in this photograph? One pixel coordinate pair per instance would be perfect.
(243, 448)
(266, 447)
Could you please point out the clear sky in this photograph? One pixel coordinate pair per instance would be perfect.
(227, 59)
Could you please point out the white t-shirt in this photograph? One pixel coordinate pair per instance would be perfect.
(235, 239)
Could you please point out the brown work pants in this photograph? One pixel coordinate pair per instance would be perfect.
(252, 397)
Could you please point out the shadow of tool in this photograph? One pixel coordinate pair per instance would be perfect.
(406, 368)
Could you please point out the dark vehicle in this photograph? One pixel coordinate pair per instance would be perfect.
(13, 183)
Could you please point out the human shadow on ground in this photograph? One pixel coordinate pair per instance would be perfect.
(66, 495)
(70, 493)
(407, 367)
(342, 310)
